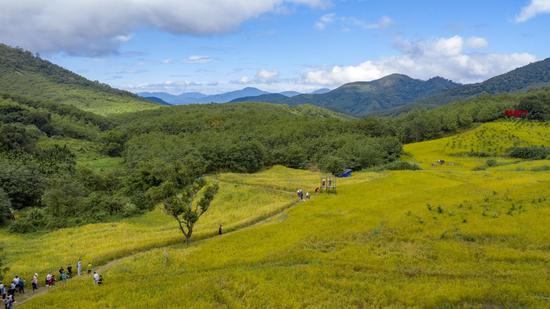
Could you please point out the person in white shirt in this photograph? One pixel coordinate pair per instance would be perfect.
(96, 277)
(79, 267)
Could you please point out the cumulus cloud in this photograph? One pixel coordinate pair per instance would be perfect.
(477, 42)
(536, 7)
(198, 59)
(347, 22)
(262, 77)
(267, 76)
(95, 27)
(446, 57)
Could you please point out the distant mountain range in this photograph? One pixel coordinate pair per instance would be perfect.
(362, 98)
(397, 93)
(197, 97)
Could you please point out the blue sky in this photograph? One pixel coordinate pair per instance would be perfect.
(277, 45)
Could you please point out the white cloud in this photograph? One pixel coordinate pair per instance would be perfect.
(95, 27)
(477, 42)
(347, 22)
(324, 21)
(168, 61)
(262, 77)
(425, 59)
(244, 80)
(536, 7)
(267, 76)
(198, 59)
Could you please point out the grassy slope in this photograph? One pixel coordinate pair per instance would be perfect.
(441, 236)
(34, 85)
(23, 74)
(234, 205)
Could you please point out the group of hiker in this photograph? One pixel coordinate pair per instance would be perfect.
(18, 284)
(302, 196)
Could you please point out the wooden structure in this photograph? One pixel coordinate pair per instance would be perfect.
(328, 184)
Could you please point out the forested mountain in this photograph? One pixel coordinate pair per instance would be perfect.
(533, 75)
(398, 93)
(26, 75)
(362, 98)
(270, 98)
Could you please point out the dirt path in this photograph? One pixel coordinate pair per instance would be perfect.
(23, 298)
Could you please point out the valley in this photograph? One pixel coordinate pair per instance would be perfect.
(447, 236)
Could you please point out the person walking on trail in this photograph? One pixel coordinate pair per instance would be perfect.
(220, 230)
(96, 278)
(8, 302)
(307, 196)
(11, 291)
(21, 286)
(2, 291)
(69, 271)
(300, 194)
(89, 268)
(100, 281)
(15, 281)
(63, 276)
(79, 267)
(34, 282)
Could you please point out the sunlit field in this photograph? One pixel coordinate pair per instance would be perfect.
(445, 236)
(236, 205)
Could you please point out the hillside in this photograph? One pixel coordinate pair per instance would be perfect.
(399, 93)
(25, 75)
(449, 236)
(363, 98)
(156, 100)
(533, 75)
(270, 98)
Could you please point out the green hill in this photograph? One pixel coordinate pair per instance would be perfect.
(531, 76)
(269, 97)
(362, 98)
(398, 93)
(26, 75)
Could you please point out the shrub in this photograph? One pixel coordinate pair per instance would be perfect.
(400, 166)
(491, 162)
(32, 220)
(530, 153)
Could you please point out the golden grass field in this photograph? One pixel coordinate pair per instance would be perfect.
(444, 237)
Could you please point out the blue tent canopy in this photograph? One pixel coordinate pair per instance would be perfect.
(346, 173)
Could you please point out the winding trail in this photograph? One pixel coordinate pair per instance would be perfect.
(21, 299)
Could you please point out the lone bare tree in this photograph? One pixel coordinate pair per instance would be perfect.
(186, 209)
